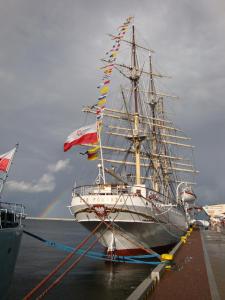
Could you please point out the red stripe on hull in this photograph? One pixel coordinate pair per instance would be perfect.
(140, 251)
(128, 252)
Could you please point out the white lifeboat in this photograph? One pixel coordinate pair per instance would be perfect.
(187, 195)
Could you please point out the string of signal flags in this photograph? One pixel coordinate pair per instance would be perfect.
(90, 134)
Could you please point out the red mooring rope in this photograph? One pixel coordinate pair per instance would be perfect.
(60, 265)
(68, 257)
(64, 261)
(57, 281)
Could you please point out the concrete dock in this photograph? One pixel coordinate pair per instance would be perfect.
(215, 246)
(197, 272)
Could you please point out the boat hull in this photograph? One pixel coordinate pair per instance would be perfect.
(130, 224)
(10, 239)
(128, 238)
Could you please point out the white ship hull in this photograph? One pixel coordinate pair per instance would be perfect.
(131, 224)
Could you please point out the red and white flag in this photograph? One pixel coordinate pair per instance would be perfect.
(6, 160)
(83, 135)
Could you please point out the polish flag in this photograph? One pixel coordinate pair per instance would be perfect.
(6, 159)
(84, 135)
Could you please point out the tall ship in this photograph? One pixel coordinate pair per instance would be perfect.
(11, 229)
(140, 198)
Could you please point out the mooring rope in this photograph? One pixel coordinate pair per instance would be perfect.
(63, 262)
(60, 278)
(147, 250)
(60, 265)
(93, 254)
(167, 223)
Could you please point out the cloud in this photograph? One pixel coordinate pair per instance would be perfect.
(49, 62)
(61, 165)
(46, 183)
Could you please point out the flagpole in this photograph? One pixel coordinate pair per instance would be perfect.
(100, 144)
(7, 171)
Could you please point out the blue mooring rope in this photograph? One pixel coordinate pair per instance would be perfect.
(98, 255)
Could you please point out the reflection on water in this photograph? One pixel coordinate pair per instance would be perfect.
(91, 279)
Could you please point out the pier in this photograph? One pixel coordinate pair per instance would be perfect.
(197, 271)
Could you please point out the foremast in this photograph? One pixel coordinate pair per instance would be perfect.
(134, 79)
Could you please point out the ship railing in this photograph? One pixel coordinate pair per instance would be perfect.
(117, 189)
(14, 210)
(101, 190)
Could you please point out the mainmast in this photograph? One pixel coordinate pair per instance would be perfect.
(153, 103)
(135, 77)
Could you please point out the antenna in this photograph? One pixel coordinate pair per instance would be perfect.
(75, 184)
(99, 178)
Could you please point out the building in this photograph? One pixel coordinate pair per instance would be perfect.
(217, 210)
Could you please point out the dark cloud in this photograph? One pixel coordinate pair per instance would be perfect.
(49, 59)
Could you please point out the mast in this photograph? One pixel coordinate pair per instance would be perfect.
(150, 140)
(101, 154)
(153, 102)
(135, 77)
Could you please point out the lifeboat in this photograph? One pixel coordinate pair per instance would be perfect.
(187, 195)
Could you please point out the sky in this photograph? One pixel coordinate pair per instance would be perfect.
(50, 55)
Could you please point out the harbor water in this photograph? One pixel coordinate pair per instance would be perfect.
(91, 279)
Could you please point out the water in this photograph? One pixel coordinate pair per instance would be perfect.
(91, 279)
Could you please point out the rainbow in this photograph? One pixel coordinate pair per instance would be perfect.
(62, 197)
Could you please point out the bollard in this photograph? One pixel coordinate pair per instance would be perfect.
(183, 239)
